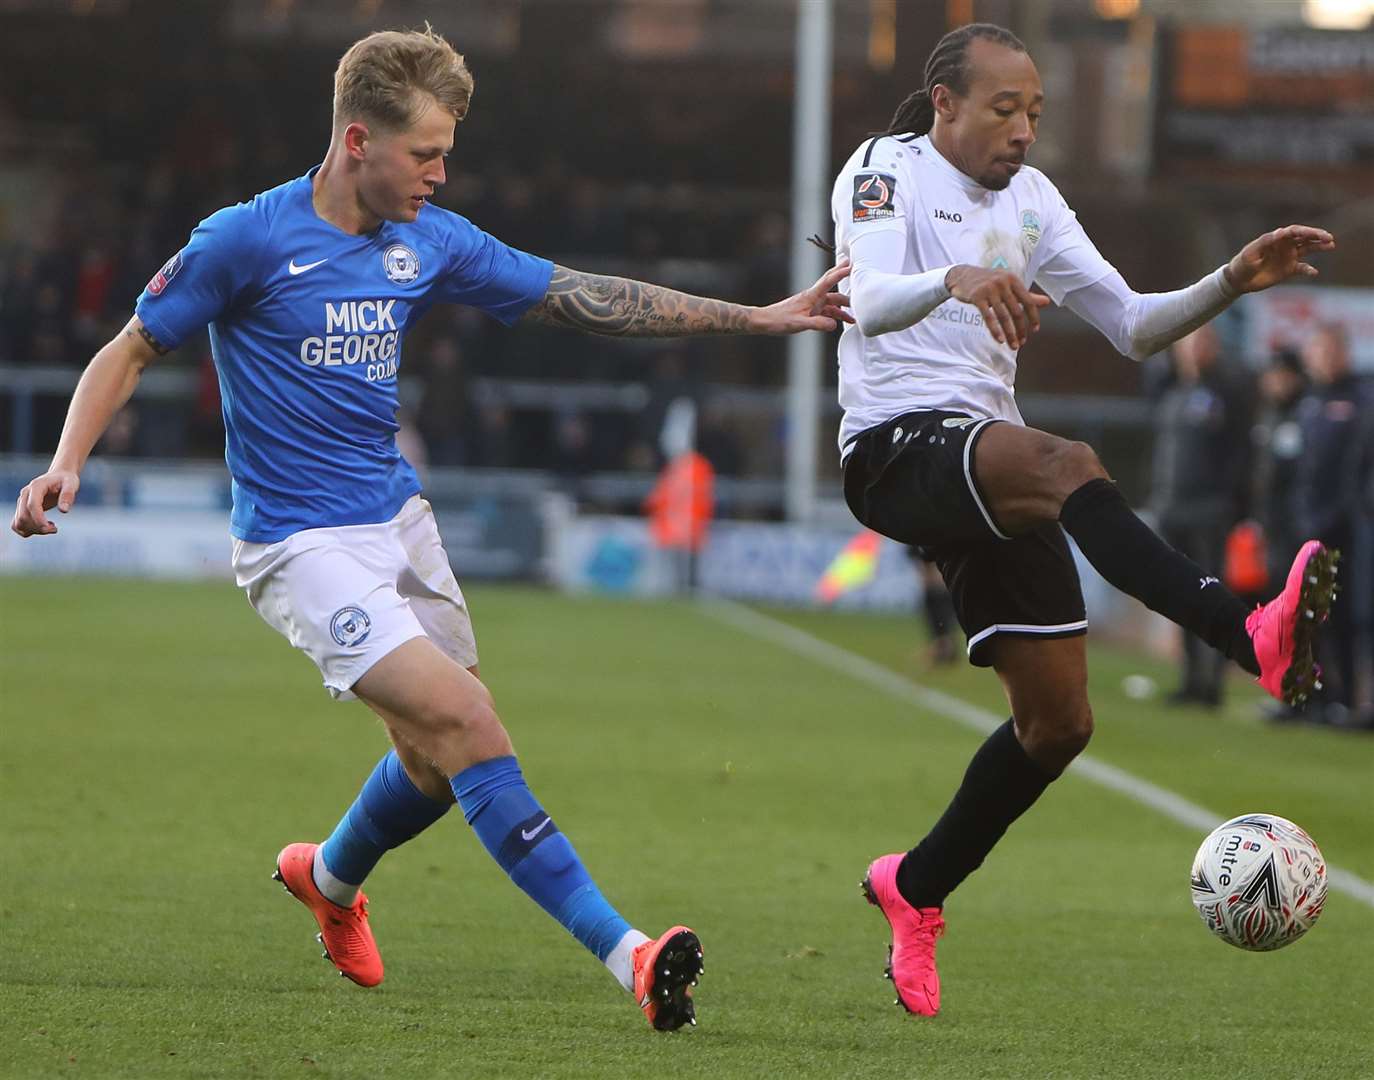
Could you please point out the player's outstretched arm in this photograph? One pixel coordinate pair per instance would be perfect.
(1141, 324)
(106, 384)
(625, 308)
(1277, 256)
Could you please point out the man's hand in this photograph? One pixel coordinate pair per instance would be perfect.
(816, 308)
(1277, 256)
(1011, 312)
(57, 487)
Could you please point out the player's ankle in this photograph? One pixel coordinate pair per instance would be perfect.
(620, 960)
(1242, 650)
(331, 888)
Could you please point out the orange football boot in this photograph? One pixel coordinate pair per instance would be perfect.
(665, 972)
(344, 932)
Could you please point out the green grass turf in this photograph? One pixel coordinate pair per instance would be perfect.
(158, 744)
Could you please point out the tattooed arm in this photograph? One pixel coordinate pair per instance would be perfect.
(625, 308)
(106, 384)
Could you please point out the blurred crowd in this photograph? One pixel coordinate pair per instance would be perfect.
(60, 301)
(1247, 466)
(129, 182)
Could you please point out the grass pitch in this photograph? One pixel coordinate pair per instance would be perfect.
(158, 745)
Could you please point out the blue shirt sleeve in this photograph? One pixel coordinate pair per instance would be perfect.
(202, 281)
(491, 276)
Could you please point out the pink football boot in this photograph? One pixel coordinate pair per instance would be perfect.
(1284, 629)
(911, 956)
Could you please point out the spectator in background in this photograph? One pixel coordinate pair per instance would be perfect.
(573, 453)
(717, 440)
(1199, 470)
(445, 414)
(1277, 440)
(95, 275)
(937, 608)
(18, 294)
(494, 443)
(49, 339)
(673, 380)
(1361, 579)
(1327, 498)
(593, 221)
(767, 265)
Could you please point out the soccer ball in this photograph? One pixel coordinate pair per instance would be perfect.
(1259, 882)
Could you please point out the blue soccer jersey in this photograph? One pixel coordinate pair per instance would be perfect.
(306, 323)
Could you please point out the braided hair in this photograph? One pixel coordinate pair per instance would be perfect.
(947, 64)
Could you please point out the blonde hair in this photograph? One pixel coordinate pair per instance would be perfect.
(384, 78)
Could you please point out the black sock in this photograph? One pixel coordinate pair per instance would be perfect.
(1000, 785)
(1128, 554)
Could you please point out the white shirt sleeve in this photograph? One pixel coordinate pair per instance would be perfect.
(1066, 259)
(1141, 324)
(882, 298)
(871, 193)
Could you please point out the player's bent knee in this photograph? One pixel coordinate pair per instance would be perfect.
(474, 715)
(1053, 737)
(1077, 733)
(1073, 464)
(454, 730)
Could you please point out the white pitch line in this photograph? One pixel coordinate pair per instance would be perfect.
(1099, 772)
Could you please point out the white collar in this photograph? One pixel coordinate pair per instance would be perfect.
(970, 186)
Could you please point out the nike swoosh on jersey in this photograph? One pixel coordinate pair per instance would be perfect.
(532, 833)
(293, 269)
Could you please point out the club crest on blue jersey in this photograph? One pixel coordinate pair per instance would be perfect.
(401, 263)
(350, 626)
(162, 277)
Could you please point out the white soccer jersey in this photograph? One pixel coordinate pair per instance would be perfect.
(948, 360)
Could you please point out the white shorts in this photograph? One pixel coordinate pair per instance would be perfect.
(348, 596)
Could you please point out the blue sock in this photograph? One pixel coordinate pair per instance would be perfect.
(387, 812)
(528, 845)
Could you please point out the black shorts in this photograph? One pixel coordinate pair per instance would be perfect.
(912, 479)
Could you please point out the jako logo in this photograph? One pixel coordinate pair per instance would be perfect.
(942, 215)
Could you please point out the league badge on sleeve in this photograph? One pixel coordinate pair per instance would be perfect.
(162, 277)
(873, 195)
